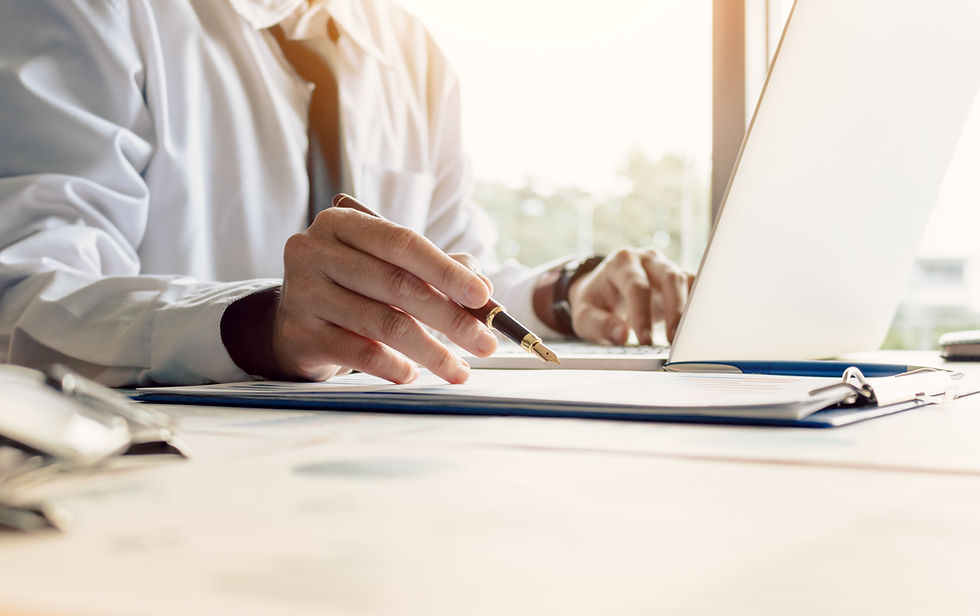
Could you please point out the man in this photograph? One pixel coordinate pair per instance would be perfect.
(154, 192)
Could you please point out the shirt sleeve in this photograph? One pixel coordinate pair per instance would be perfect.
(77, 136)
(456, 222)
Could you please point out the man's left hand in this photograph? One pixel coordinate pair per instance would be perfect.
(632, 289)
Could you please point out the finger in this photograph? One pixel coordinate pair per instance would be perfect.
(308, 346)
(311, 348)
(473, 265)
(673, 286)
(383, 282)
(683, 293)
(393, 328)
(599, 325)
(355, 352)
(630, 278)
(403, 247)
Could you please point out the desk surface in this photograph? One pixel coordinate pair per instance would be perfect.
(285, 512)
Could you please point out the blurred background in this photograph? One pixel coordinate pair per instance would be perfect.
(617, 123)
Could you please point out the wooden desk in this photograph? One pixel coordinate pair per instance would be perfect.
(341, 513)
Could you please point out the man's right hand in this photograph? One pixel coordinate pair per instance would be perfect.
(355, 289)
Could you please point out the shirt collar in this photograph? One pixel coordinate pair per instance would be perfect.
(265, 13)
(303, 19)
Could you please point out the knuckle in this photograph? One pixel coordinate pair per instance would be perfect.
(404, 285)
(638, 286)
(373, 358)
(323, 217)
(462, 321)
(621, 256)
(395, 326)
(327, 218)
(445, 360)
(654, 257)
(404, 242)
(445, 275)
(297, 246)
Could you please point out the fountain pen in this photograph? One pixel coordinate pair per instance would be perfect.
(496, 318)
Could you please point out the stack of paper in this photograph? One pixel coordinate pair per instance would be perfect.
(764, 399)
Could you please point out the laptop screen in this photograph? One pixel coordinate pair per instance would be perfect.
(840, 167)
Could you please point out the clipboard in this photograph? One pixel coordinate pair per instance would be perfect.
(770, 400)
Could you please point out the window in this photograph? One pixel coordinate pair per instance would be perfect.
(589, 126)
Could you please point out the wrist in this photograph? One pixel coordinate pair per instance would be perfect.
(543, 294)
(247, 332)
(570, 274)
(551, 300)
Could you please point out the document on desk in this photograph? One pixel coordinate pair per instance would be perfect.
(649, 396)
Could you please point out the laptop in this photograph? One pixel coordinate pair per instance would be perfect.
(841, 165)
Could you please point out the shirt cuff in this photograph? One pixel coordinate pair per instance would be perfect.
(514, 289)
(186, 346)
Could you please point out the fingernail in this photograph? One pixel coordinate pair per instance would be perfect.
(486, 342)
(462, 373)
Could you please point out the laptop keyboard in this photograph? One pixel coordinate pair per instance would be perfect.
(578, 347)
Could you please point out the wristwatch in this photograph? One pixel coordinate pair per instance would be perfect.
(561, 309)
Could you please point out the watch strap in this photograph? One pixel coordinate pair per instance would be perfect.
(561, 308)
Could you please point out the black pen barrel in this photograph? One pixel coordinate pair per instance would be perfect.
(495, 317)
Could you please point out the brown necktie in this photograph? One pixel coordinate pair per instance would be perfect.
(324, 159)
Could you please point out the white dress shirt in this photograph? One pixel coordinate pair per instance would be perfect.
(152, 165)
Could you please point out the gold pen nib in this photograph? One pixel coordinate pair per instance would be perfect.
(544, 353)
